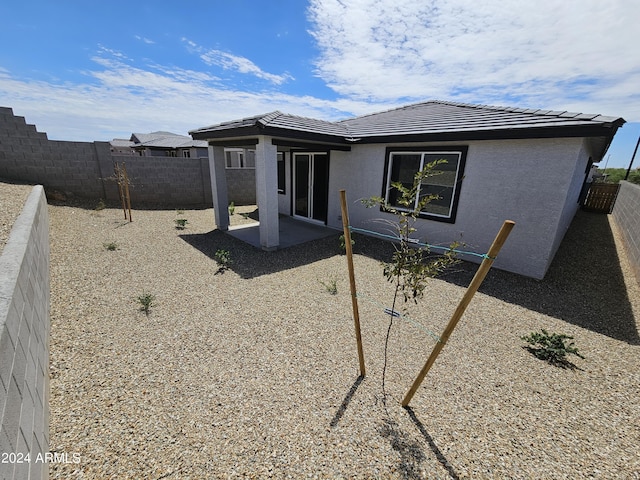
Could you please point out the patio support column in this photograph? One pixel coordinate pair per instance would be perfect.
(267, 192)
(219, 187)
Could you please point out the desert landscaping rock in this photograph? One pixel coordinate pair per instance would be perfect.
(12, 199)
(253, 373)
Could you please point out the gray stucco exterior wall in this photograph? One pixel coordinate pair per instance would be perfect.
(626, 213)
(24, 342)
(532, 182)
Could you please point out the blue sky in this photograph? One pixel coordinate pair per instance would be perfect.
(89, 71)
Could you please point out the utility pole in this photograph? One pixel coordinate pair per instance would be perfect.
(632, 158)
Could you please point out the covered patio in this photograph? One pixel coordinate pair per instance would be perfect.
(291, 232)
(291, 175)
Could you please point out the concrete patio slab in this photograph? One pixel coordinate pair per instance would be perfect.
(292, 232)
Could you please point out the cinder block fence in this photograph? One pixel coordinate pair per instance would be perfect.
(24, 344)
(626, 213)
(86, 169)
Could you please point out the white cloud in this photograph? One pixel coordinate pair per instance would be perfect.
(237, 63)
(377, 54)
(242, 65)
(575, 53)
(122, 98)
(145, 40)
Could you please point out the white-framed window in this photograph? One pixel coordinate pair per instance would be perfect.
(240, 158)
(186, 153)
(402, 166)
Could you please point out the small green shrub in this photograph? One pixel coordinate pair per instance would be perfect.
(232, 208)
(181, 223)
(343, 244)
(551, 347)
(100, 206)
(331, 286)
(111, 246)
(146, 301)
(223, 258)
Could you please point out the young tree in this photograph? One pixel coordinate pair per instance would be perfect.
(412, 264)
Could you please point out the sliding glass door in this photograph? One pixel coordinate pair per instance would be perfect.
(310, 185)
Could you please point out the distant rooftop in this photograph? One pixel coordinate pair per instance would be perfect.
(158, 140)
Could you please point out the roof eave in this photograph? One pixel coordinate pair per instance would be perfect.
(498, 134)
(233, 132)
(253, 131)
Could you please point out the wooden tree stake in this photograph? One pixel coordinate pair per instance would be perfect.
(118, 173)
(126, 188)
(462, 306)
(352, 279)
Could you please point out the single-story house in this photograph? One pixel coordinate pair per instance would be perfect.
(524, 165)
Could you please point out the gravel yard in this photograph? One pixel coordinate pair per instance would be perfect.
(254, 373)
(12, 199)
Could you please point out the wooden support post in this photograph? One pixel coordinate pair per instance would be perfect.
(462, 306)
(352, 278)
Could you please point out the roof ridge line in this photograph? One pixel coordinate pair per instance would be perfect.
(543, 112)
(269, 117)
(402, 107)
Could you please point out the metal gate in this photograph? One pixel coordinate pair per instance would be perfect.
(601, 197)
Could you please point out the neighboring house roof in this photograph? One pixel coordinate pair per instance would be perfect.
(425, 121)
(121, 143)
(165, 140)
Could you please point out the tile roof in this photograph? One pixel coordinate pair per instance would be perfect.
(427, 119)
(279, 120)
(121, 142)
(165, 140)
(441, 117)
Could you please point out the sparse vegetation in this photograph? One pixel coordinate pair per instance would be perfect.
(232, 208)
(343, 245)
(111, 246)
(331, 285)
(551, 347)
(100, 206)
(223, 258)
(614, 175)
(146, 301)
(181, 223)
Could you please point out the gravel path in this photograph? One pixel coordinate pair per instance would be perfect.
(253, 372)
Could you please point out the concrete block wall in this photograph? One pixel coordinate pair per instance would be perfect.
(22, 148)
(241, 185)
(174, 181)
(626, 213)
(85, 169)
(24, 342)
(28, 155)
